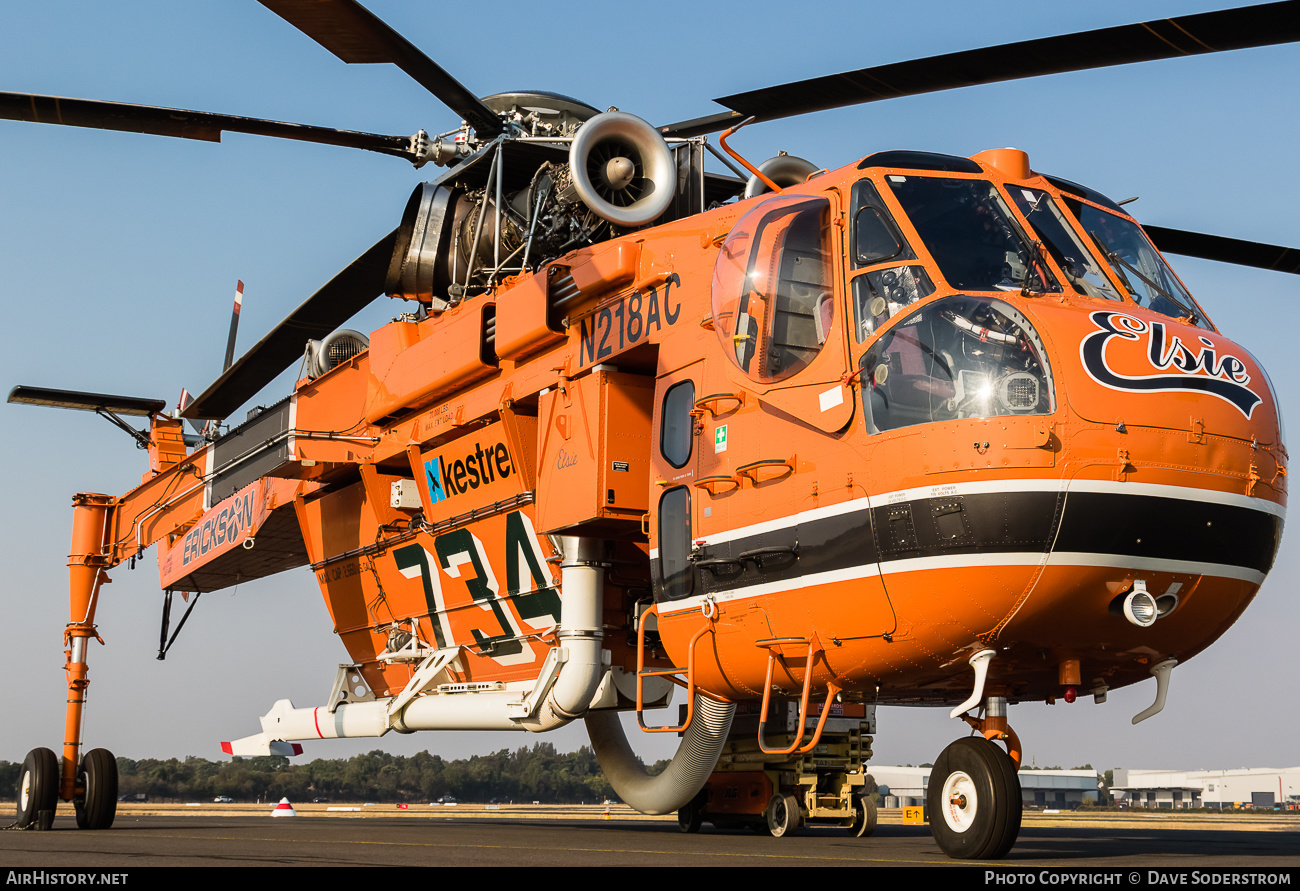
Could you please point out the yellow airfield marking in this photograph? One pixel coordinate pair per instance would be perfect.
(335, 842)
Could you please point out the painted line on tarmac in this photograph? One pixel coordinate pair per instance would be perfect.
(820, 857)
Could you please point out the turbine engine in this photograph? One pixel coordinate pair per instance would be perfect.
(522, 199)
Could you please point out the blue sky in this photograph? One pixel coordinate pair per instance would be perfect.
(119, 253)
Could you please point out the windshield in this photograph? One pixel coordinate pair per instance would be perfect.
(1081, 270)
(1147, 277)
(971, 234)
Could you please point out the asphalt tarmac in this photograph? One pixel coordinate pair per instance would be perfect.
(472, 836)
(583, 837)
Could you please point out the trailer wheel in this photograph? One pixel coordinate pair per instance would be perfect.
(865, 817)
(783, 816)
(691, 816)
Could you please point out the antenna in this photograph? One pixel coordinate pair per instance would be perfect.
(234, 326)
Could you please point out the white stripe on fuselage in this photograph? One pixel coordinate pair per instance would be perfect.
(984, 487)
(966, 561)
(958, 561)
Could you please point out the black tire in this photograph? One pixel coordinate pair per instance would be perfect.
(691, 816)
(783, 817)
(38, 785)
(865, 817)
(97, 806)
(974, 801)
(1015, 801)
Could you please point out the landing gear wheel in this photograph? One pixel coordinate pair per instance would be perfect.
(691, 816)
(783, 816)
(38, 786)
(98, 805)
(864, 817)
(974, 801)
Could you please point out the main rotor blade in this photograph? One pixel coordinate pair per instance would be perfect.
(337, 301)
(83, 401)
(1209, 32)
(183, 124)
(1225, 250)
(358, 36)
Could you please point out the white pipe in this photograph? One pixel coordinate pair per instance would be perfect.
(696, 756)
(447, 711)
(582, 581)
(582, 667)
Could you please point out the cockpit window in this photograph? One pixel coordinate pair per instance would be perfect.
(876, 238)
(971, 234)
(1146, 276)
(959, 357)
(1081, 270)
(881, 294)
(772, 303)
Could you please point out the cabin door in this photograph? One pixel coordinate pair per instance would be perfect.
(675, 448)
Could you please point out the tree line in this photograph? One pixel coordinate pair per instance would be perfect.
(536, 774)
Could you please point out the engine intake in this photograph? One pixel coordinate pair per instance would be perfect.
(622, 169)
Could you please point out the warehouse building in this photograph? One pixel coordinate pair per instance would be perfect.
(1260, 787)
(1055, 789)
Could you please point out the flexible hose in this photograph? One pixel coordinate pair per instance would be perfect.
(696, 756)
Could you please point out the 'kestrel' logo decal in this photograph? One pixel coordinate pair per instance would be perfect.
(436, 491)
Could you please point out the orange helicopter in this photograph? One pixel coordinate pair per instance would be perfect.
(924, 429)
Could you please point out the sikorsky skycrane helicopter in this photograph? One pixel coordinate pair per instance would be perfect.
(922, 429)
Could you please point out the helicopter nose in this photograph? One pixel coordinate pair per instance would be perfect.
(1140, 369)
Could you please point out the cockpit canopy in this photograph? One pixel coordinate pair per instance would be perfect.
(979, 244)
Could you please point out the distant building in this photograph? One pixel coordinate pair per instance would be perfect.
(1265, 787)
(1057, 789)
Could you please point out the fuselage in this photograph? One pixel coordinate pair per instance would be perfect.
(907, 410)
(1037, 425)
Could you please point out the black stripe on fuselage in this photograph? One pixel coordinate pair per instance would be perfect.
(1169, 529)
(924, 527)
(1139, 526)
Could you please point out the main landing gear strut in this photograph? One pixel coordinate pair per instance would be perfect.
(974, 798)
(90, 783)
